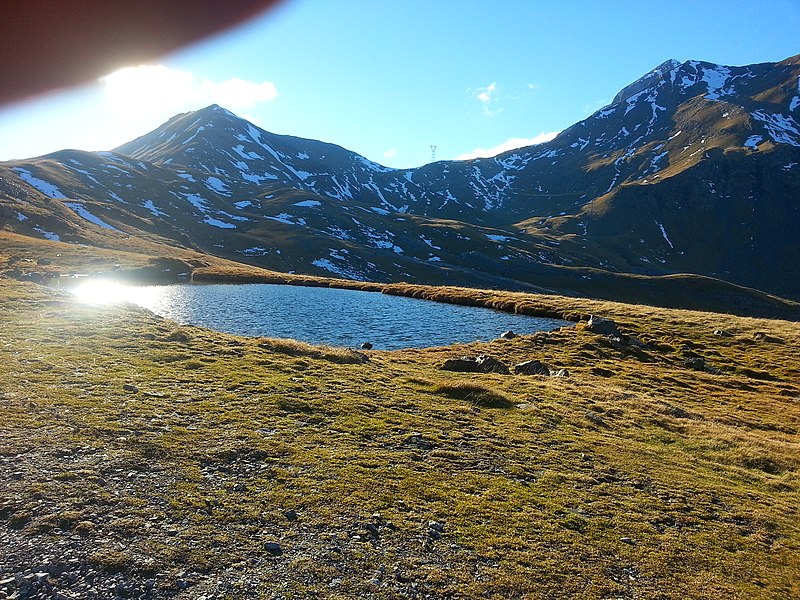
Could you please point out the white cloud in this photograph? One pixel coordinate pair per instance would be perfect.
(487, 97)
(509, 144)
(151, 86)
(390, 153)
(238, 93)
(485, 94)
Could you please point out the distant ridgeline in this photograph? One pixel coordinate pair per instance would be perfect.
(692, 169)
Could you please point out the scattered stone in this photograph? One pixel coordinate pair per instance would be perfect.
(476, 364)
(419, 441)
(273, 548)
(722, 333)
(695, 363)
(532, 367)
(595, 418)
(291, 515)
(129, 387)
(559, 373)
(603, 326)
(508, 335)
(635, 342)
(372, 529)
(602, 372)
(436, 526)
(763, 337)
(366, 346)
(677, 412)
(359, 357)
(627, 540)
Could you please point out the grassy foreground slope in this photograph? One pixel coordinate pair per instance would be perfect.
(139, 458)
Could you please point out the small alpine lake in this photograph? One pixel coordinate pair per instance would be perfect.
(318, 315)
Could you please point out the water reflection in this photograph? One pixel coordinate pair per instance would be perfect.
(103, 292)
(317, 315)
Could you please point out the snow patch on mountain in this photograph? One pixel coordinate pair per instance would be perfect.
(148, 204)
(82, 212)
(195, 200)
(288, 219)
(604, 112)
(217, 185)
(497, 238)
(48, 189)
(753, 141)
(372, 166)
(83, 172)
(341, 270)
(664, 234)
(255, 251)
(48, 235)
(308, 203)
(716, 78)
(782, 129)
(654, 163)
(217, 223)
(795, 102)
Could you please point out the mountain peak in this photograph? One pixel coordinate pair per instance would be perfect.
(214, 110)
(646, 80)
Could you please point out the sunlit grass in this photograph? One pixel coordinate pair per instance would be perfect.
(652, 480)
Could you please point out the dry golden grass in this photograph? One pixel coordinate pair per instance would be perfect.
(323, 352)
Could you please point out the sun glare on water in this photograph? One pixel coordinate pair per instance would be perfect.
(111, 292)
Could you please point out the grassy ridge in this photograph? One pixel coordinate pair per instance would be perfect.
(636, 476)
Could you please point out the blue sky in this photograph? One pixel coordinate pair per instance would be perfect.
(390, 78)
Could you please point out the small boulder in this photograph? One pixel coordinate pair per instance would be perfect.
(366, 346)
(291, 515)
(273, 548)
(696, 363)
(602, 372)
(722, 333)
(129, 387)
(603, 326)
(532, 367)
(508, 335)
(476, 364)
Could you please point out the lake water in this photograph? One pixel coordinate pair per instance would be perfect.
(319, 315)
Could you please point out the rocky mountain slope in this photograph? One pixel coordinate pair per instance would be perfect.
(694, 168)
